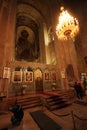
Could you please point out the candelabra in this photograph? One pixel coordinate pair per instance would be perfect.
(68, 26)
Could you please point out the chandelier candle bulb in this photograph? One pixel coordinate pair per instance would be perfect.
(68, 26)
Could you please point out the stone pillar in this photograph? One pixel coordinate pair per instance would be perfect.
(65, 53)
(42, 42)
(45, 36)
(67, 61)
(7, 27)
(62, 63)
(73, 57)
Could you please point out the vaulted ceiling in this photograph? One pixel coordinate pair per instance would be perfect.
(39, 10)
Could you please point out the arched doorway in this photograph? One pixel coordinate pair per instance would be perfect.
(38, 80)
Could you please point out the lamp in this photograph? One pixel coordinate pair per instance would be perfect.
(68, 26)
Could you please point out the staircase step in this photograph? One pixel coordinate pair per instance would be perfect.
(29, 102)
(27, 98)
(31, 106)
(58, 107)
(56, 102)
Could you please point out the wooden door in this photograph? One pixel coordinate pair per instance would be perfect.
(38, 80)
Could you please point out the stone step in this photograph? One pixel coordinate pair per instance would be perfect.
(30, 102)
(56, 102)
(32, 105)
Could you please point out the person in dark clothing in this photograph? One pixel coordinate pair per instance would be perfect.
(17, 114)
(78, 89)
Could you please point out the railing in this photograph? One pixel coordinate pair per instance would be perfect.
(73, 117)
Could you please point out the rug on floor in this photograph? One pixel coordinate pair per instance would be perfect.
(81, 102)
(44, 122)
(4, 129)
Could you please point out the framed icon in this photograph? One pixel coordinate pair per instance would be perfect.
(6, 72)
(17, 76)
(47, 76)
(28, 76)
(53, 76)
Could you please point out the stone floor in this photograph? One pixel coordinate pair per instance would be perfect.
(73, 117)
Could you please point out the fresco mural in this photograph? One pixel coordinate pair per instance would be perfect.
(27, 40)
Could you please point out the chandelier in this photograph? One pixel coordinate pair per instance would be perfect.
(68, 26)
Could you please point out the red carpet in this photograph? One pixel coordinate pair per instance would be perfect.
(49, 94)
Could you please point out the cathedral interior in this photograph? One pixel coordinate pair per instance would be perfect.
(33, 60)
